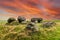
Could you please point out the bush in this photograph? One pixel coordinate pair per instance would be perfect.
(21, 19)
(11, 20)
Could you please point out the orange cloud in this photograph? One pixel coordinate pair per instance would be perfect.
(47, 9)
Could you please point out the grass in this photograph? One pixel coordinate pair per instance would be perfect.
(17, 32)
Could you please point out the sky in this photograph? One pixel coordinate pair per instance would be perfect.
(46, 9)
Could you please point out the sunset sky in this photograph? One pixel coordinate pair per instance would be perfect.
(46, 9)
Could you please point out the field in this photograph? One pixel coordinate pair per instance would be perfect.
(17, 32)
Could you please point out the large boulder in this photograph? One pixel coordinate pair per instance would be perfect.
(11, 20)
(32, 27)
(48, 24)
(36, 20)
(33, 20)
(21, 19)
(39, 20)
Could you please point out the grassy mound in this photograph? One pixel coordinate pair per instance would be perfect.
(17, 32)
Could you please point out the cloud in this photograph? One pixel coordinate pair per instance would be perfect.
(42, 8)
(5, 15)
(7, 0)
(10, 7)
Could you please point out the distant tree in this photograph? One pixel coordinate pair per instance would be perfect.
(11, 20)
(21, 19)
